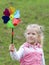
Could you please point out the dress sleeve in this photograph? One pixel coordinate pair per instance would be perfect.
(43, 59)
(16, 55)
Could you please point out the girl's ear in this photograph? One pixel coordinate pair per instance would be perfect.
(39, 39)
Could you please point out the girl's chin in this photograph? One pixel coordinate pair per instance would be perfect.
(31, 42)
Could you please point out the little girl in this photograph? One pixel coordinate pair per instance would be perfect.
(31, 52)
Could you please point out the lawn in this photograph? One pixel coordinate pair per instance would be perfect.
(32, 11)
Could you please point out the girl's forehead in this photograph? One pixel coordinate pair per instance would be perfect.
(31, 30)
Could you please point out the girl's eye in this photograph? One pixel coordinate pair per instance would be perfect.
(33, 33)
(28, 33)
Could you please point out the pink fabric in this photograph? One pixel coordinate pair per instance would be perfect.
(33, 58)
(35, 44)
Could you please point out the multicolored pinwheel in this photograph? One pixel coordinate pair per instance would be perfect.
(11, 18)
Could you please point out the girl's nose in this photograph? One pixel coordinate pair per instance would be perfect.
(31, 36)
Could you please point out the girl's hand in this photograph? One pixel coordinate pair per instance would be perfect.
(11, 47)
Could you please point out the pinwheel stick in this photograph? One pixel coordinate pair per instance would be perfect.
(12, 35)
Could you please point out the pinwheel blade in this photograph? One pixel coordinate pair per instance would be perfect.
(17, 14)
(9, 24)
(11, 10)
(6, 12)
(16, 21)
(5, 19)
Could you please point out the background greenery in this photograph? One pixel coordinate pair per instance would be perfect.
(32, 11)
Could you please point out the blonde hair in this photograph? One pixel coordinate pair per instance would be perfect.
(39, 29)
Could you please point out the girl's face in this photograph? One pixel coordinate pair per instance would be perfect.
(31, 36)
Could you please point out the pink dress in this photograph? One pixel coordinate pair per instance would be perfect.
(31, 58)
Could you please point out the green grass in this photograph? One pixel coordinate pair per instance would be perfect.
(32, 11)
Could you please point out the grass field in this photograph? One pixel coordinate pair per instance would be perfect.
(32, 11)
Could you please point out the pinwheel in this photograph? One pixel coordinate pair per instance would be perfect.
(11, 18)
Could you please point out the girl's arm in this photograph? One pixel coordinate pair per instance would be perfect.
(43, 59)
(16, 55)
